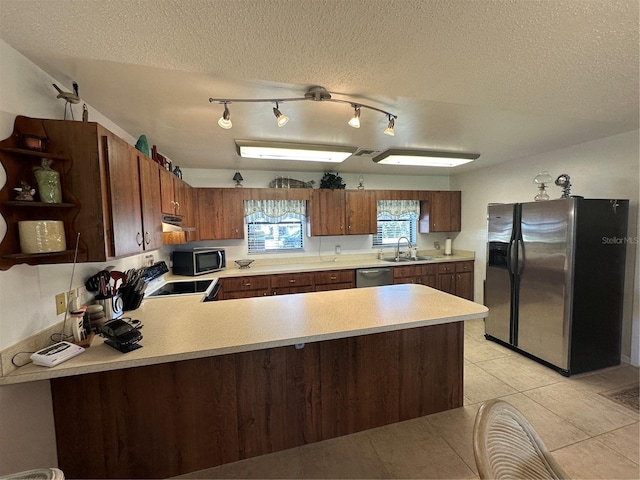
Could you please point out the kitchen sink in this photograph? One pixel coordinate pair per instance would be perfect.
(406, 259)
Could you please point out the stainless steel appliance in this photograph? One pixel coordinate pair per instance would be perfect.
(555, 280)
(373, 277)
(198, 261)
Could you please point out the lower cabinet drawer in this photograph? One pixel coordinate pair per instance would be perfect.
(334, 277)
(292, 280)
(245, 283)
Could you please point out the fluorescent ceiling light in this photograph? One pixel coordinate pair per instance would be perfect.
(424, 158)
(293, 151)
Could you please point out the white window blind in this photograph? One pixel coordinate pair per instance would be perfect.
(396, 219)
(275, 225)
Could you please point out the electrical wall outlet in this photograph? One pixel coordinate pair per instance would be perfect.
(338, 249)
(436, 245)
(61, 303)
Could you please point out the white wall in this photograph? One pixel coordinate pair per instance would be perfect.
(606, 168)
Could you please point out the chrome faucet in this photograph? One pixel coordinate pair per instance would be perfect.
(398, 247)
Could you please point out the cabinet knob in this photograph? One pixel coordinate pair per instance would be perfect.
(334, 278)
(139, 239)
(292, 281)
(146, 238)
(247, 284)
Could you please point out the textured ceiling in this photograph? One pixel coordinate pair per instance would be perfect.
(505, 79)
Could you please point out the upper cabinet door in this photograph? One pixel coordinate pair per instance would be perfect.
(149, 201)
(361, 212)
(441, 212)
(326, 213)
(220, 213)
(124, 195)
(167, 190)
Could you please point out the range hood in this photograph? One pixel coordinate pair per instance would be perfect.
(173, 232)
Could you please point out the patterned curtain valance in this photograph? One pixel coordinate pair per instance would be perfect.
(397, 208)
(274, 209)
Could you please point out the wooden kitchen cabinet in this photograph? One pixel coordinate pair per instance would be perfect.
(150, 199)
(220, 213)
(244, 287)
(423, 274)
(125, 210)
(456, 278)
(175, 196)
(441, 212)
(342, 212)
(326, 213)
(334, 280)
(291, 283)
(18, 163)
(361, 212)
(464, 280)
(104, 180)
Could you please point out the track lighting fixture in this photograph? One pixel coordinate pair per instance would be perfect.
(280, 118)
(389, 130)
(355, 120)
(316, 94)
(225, 119)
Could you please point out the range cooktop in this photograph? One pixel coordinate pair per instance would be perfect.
(183, 287)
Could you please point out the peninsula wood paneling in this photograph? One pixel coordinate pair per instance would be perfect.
(169, 419)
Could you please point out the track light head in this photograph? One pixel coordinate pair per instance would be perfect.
(389, 130)
(355, 120)
(281, 119)
(225, 119)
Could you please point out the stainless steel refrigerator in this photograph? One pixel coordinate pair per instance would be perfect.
(555, 280)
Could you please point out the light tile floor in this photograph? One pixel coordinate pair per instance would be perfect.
(589, 435)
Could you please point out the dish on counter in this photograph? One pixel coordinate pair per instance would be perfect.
(243, 263)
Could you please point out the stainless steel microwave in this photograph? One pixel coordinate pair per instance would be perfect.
(198, 261)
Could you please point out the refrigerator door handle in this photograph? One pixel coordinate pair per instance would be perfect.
(520, 257)
(510, 253)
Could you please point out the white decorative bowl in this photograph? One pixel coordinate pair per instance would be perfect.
(243, 263)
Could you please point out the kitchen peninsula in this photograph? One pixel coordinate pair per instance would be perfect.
(220, 381)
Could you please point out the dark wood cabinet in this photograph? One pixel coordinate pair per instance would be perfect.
(19, 164)
(244, 287)
(126, 230)
(361, 212)
(456, 278)
(440, 212)
(220, 213)
(423, 274)
(326, 213)
(464, 280)
(334, 280)
(103, 187)
(342, 212)
(291, 283)
(150, 199)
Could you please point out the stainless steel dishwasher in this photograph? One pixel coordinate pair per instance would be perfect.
(373, 277)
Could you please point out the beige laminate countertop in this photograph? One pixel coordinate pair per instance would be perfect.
(182, 328)
(316, 264)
